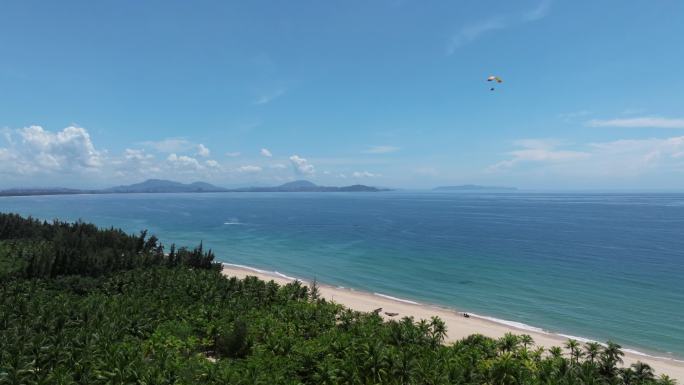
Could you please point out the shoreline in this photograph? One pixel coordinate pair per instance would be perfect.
(458, 326)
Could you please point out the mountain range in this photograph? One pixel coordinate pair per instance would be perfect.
(306, 186)
(167, 186)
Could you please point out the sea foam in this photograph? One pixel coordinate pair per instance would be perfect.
(266, 272)
(248, 268)
(281, 275)
(517, 325)
(396, 299)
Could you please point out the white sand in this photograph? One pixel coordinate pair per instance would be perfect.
(458, 326)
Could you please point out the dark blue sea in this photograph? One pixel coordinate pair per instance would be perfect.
(597, 266)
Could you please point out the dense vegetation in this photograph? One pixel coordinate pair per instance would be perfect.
(35, 249)
(80, 305)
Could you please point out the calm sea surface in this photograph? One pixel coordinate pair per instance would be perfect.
(600, 266)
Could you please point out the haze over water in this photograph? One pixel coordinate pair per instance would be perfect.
(600, 266)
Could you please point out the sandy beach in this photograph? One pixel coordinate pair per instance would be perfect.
(458, 326)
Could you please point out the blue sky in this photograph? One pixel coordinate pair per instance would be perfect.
(388, 92)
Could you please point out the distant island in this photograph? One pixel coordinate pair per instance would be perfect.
(167, 186)
(306, 186)
(164, 186)
(474, 187)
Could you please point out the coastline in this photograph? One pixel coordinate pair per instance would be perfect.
(458, 327)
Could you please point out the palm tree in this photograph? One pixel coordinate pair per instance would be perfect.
(423, 329)
(575, 352)
(537, 353)
(509, 343)
(438, 330)
(526, 340)
(404, 366)
(643, 372)
(349, 373)
(666, 380)
(610, 358)
(314, 293)
(628, 376)
(556, 352)
(524, 354)
(592, 350)
(326, 373)
(376, 360)
(613, 353)
(505, 370)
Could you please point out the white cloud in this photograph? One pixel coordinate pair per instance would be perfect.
(249, 169)
(381, 149)
(364, 174)
(37, 151)
(472, 31)
(233, 154)
(638, 157)
(10, 164)
(70, 147)
(607, 160)
(138, 164)
(639, 122)
(4, 154)
(183, 162)
(302, 166)
(169, 145)
(538, 150)
(7, 134)
(269, 97)
(265, 152)
(138, 155)
(33, 155)
(648, 150)
(202, 150)
(134, 162)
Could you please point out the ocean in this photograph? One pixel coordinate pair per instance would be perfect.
(595, 266)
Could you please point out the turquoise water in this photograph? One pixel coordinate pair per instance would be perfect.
(600, 266)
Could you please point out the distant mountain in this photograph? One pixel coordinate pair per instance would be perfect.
(359, 188)
(164, 186)
(42, 191)
(306, 186)
(167, 186)
(298, 185)
(474, 187)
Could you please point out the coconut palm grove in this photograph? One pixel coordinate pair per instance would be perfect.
(83, 305)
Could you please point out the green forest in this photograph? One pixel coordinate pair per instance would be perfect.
(83, 305)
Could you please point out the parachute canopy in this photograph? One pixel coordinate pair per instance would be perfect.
(494, 79)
